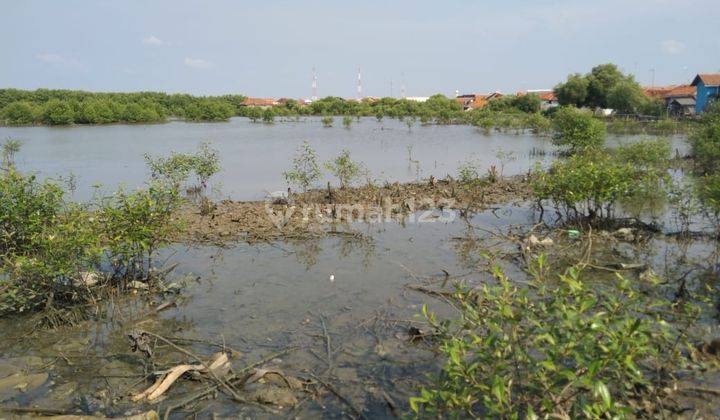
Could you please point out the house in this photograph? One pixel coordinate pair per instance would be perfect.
(678, 100)
(476, 100)
(681, 107)
(707, 90)
(549, 100)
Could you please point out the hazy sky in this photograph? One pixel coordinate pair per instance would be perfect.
(268, 48)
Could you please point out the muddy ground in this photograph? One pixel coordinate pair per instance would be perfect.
(329, 211)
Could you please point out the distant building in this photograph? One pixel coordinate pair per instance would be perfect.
(476, 100)
(681, 107)
(679, 101)
(417, 98)
(708, 90)
(260, 102)
(548, 100)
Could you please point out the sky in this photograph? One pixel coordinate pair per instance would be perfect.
(269, 48)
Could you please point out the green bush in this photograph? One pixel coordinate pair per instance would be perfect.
(587, 185)
(328, 121)
(577, 130)
(20, 113)
(344, 168)
(549, 349)
(705, 147)
(27, 208)
(306, 170)
(47, 245)
(57, 112)
(175, 170)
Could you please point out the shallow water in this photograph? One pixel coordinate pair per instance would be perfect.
(254, 155)
(259, 299)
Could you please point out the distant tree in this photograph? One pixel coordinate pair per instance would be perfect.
(577, 130)
(58, 112)
(19, 113)
(527, 103)
(601, 80)
(626, 97)
(268, 116)
(254, 113)
(574, 91)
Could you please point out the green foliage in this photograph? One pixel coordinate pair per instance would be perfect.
(20, 113)
(7, 153)
(549, 349)
(209, 109)
(344, 168)
(175, 169)
(705, 147)
(574, 91)
(605, 87)
(62, 107)
(48, 245)
(708, 188)
(27, 208)
(469, 172)
(135, 225)
(306, 170)
(601, 80)
(627, 97)
(268, 116)
(529, 103)
(646, 154)
(327, 121)
(254, 113)
(347, 121)
(587, 184)
(577, 130)
(58, 112)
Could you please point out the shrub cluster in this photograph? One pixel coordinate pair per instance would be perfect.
(549, 348)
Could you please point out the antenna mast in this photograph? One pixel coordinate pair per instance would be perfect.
(359, 85)
(314, 85)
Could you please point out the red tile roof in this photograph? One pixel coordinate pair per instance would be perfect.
(658, 91)
(548, 96)
(709, 79)
(682, 90)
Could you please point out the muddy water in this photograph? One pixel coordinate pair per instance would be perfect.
(261, 299)
(265, 298)
(255, 155)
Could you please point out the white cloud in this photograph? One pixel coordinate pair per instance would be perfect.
(197, 63)
(60, 61)
(672, 46)
(153, 41)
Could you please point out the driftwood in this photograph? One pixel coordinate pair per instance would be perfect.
(219, 365)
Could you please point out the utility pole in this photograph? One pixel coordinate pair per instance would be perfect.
(652, 70)
(359, 85)
(402, 85)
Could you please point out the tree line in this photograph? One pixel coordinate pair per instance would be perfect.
(605, 86)
(63, 107)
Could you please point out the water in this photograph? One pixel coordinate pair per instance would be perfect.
(254, 155)
(262, 298)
